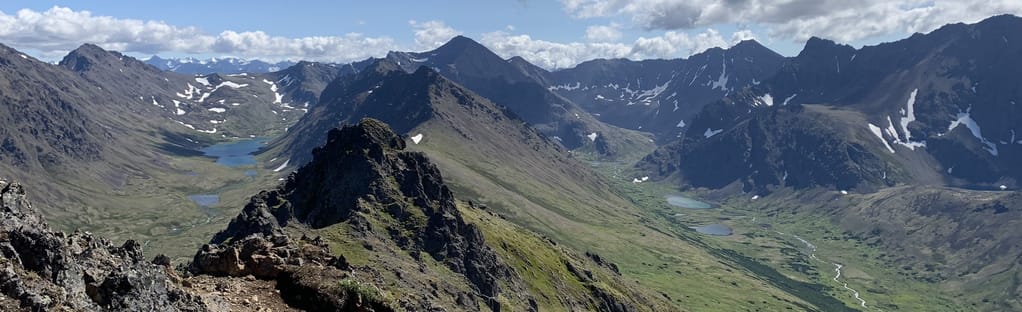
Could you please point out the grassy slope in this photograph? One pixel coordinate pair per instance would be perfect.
(587, 218)
(541, 264)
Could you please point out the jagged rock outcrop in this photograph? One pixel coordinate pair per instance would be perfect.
(363, 179)
(43, 270)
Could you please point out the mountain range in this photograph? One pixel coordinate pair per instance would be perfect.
(880, 177)
(933, 109)
(225, 65)
(922, 128)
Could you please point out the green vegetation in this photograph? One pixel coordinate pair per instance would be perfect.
(867, 268)
(153, 208)
(561, 198)
(365, 293)
(758, 246)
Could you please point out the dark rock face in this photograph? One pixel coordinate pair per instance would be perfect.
(45, 270)
(776, 147)
(381, 91)
(43, 123)
(303, 82)
(361, 171)
(659, 96)
(515, 84)
(932, 109)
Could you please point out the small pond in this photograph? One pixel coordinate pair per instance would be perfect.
(235, 154)
(205, 200)
(714, 229)
(206, 203)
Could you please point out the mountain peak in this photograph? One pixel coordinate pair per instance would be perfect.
(82, 58)
(1002, 19)
(748, 44)
(366, 134)
(90, 48)
(817, 45)
(460, 44)
(752, 47)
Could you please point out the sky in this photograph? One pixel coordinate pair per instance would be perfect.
(552, 34)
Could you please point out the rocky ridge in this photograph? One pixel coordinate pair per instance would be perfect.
(44, 270)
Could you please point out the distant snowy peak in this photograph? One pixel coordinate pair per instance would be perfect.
(224, 65)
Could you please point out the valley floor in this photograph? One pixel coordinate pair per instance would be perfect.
(804, 254)
(159, 211)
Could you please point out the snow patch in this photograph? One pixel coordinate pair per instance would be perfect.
(186, 125)
(646, 97)
(177, 105)
(710, 132)
(766, 99)
(908, 116)
(282, 166)
(233, 85)
(789, 99)
(218, 110)
(640, 180)
(568, 87)
(966, 119)
(202, 81)
(592, 136)
(681, 124)
(417, 138)
(879, 133)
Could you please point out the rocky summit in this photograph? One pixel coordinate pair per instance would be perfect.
(44, 270)
(360, 174)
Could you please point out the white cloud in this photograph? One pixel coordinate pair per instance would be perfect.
(676, 44)
(798, 19)
(742, 35)
(548, 54)
(603, 33)
(554, 55)
(432, 34)
(55, 31)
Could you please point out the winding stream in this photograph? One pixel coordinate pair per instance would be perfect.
(837, 267)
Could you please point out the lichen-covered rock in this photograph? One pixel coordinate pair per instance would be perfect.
(44, 270)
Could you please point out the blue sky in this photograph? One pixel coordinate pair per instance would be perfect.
(552, 34)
